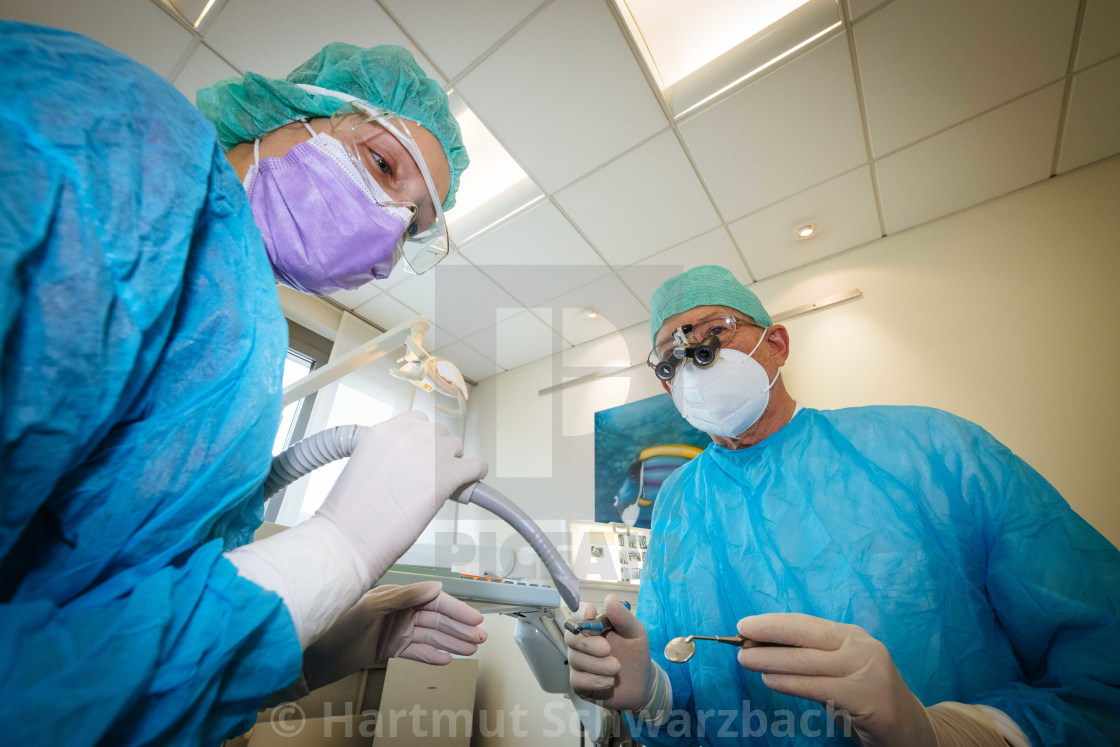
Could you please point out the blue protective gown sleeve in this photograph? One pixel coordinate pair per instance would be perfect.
(142, 351)
(916, 525)
(1054, 586)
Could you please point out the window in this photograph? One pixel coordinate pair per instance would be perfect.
(306, 352)
(296, 366)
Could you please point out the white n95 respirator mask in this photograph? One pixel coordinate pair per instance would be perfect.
(726, 397)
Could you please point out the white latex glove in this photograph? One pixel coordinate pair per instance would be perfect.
(417, 622)
(613, 670)
(398, 477)
(842, 666)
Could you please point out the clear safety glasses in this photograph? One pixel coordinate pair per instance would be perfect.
(699, 341)
(380, 143)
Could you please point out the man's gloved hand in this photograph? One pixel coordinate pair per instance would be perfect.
(613, 670)
(400, 474)
(417, 622)
(843, 666)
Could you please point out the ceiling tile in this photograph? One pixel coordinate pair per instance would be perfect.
(857, 8)
(713, 248)
(136, 28)
(203, 68)
(565, 93)
(398, 275)
(539, 236)
(791, 129)
(1100, 32)
(843, 209)
(417, 293)
(655, 201)
(472, 363)
(1093, 120)
(352, 299)
(536, 256)
(957, 58)
(385, 311)
(257, 37)
(533, 285)
(616, 305)
(459, 298)
(616, 350)
(504, 312)
(988, 156)
(455, 34)
(518, 340)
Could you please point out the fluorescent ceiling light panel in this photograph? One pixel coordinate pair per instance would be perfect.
(702, 49)
(205, 10)
(493, 187)
(683, 37)
(191, 11)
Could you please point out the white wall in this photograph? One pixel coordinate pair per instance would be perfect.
(1005, 314)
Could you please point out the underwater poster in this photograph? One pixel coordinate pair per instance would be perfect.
(637, 446)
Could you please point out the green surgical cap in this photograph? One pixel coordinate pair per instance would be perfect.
(706, 285)
(387, 76)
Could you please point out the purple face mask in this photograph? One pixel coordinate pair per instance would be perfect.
(322, 228)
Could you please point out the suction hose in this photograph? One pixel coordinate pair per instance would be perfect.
(309, 454)
(485, 496)
(336, 443)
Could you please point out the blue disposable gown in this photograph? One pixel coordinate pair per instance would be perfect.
(142, 353)
(917, 526)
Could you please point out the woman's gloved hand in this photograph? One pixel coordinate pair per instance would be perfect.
(843, 667)
(613, 670)
(400, 474)
(418, 621)
(398, 477)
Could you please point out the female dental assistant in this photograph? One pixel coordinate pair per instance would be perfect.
(140, 389)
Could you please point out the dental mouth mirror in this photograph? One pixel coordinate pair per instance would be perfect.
(680, 649)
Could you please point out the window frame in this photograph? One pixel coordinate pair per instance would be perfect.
(317, 349)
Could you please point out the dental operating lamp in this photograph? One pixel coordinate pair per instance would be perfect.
(338, 443)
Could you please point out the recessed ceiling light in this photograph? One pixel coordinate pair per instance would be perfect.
(591, 313)
(807, 231)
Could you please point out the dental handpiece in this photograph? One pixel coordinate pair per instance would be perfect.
(336, 443)
(599, 625)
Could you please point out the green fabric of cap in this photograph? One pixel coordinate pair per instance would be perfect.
(706, 285)
(243, 109)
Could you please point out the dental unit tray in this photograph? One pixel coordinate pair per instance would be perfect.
(538, 631)
(485, 593)
(337, 443)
